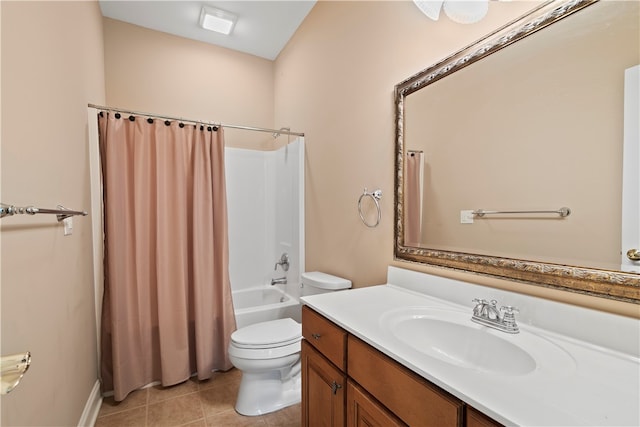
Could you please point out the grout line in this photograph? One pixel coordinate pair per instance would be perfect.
(204, 417)
(146, 412)
(118, 411)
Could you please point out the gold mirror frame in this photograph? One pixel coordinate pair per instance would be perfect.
(603, 283)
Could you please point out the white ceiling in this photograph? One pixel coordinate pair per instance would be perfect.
(263, 28)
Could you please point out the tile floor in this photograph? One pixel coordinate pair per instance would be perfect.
(193, 403)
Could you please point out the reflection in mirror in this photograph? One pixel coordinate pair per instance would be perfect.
(536, 126)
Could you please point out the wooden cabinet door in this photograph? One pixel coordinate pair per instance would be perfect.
(323, 390)
(364, 411)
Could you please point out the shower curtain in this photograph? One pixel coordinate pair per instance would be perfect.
(167, 309)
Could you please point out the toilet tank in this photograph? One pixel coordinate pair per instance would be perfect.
(316, 282)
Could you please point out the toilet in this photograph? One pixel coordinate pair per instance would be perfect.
(268, 354)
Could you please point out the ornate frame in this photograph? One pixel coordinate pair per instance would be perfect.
(603, 283)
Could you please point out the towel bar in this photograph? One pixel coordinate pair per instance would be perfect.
(563, 212)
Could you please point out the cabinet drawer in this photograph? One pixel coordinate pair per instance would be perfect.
(329, 339)
(410, 397)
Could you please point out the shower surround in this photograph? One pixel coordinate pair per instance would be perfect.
(265, 201)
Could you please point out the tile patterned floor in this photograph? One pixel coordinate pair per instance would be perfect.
(193, 403)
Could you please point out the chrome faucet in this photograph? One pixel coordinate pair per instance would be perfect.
(486, 313)
(279, 281)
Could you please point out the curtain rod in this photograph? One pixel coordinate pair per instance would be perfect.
(275, 132)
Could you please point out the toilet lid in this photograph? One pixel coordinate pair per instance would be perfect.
(274, 333)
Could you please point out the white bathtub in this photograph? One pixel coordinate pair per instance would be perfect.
(259, 304)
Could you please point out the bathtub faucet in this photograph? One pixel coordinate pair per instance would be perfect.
(279, 281)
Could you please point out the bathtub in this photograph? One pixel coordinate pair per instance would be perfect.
(262, 303)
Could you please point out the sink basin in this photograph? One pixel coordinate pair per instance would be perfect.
(451, 337)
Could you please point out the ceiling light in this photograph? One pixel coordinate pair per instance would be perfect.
(431, 8)
(217, 20)
(466, 11)
(460, 11)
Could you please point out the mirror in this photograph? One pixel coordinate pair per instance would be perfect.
(528, 119)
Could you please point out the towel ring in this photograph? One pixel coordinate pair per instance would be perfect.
(375, 196)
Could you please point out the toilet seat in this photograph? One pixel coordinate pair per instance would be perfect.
(266, 340)
(264, 353)
(266, 335)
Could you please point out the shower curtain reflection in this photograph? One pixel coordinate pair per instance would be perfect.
(167, 309)
(413, 197)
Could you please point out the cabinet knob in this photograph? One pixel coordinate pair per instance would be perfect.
(316, 336)
(335, 387)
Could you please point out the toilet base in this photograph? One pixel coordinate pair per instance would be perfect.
(262, 393)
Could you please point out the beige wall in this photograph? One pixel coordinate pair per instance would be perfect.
(155, 72)
(52, 66)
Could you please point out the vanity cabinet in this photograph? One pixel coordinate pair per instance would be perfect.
(346, 382)
(324, 381)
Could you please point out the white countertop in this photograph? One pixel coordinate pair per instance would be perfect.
(601, 386)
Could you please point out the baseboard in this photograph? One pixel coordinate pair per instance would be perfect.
(92, 407)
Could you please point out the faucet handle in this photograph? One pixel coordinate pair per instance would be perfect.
(509, 319)
(509, 309)
(480, 306)
(284, 262)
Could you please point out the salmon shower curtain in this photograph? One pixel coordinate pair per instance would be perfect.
(167, 309)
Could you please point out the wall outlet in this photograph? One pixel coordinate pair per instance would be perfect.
(68, 226)
(466, 217)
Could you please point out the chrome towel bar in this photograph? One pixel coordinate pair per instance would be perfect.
(563, 212)
(61, 213)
